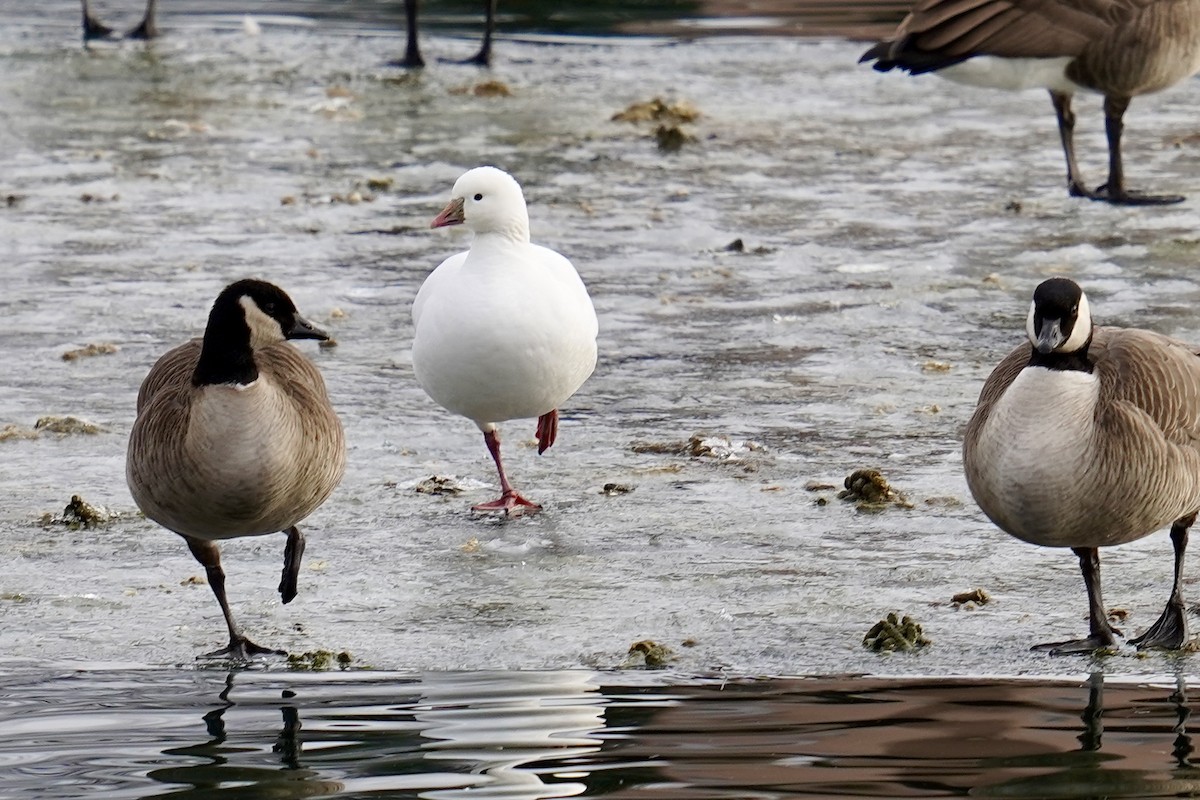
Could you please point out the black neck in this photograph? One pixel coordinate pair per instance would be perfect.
(1077, 360)
(226, 355)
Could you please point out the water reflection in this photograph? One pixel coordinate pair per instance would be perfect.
(217, 763)
(534, 735)
(506, 736)
(449, 736)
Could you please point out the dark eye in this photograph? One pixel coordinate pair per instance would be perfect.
(269, 309)
(478, 197)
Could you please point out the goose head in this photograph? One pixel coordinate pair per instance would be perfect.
(246, 316)
(1060, 320)
(262, 312)
(487, 200)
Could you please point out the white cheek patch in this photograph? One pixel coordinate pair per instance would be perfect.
(241, 387)
(264, 330)
(1082, 330)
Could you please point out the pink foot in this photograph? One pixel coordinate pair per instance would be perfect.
(511, 503)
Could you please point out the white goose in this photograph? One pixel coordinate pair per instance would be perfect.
(1087, 437)
(505, 330)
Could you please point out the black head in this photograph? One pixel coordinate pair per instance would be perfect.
(1060, 319)
(247, 315)
(266, 310)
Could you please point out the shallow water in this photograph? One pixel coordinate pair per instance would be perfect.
(536, 735)
(893, 230)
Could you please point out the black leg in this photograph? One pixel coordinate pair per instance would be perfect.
(292, 554)
(148, 28)
(1170, 630)
(1066, 132)
(239, 647)
(1101, 633)
(484, 57)
(412, 51)
(1114, 191)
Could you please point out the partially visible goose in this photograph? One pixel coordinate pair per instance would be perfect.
(505, 330)
(412, 51)
(1088, 437)
(95, 29)
(1117, 48)
(235, 436)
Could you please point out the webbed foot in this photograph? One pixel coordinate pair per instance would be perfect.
(1169, 631)
(1077, 647)
(511, 503)
(242, 649)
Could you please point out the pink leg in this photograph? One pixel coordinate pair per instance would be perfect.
(509, 499)
(547, 430)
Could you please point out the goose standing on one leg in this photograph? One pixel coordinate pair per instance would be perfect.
(1088, 437)
(235, 436)
(95, 29)
(505, 330)
(1117, 48)
(412, 50)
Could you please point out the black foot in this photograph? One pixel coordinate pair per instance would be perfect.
(242, 649)
(410, 61)
(143, 33)
(95, 29)
(480, 59)
(1076, 647)
(1169, 631)
(1125, 197)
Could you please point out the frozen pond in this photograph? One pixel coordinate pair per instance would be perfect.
(893, 229)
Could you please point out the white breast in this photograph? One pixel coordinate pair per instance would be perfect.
(505, 332)
(1031, 454)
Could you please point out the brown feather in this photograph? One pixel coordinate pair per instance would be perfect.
(217, 461)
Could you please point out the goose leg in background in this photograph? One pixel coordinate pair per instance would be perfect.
(292, 554)
(1114, 191)
(148, 28)
(240, 647)
(1170, 630)
(484, 57)
(92, 27)
(1066, 132)
(412, 50)
(1102, 633)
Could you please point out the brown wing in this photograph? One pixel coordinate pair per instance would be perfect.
(174, 370)
(939, 33)
(1154, 373)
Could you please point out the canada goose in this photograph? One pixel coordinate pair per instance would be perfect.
(505, 330)
(235, 436)
(1089, 437)
(94, 29)
(1117, 48)
(412, 52)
